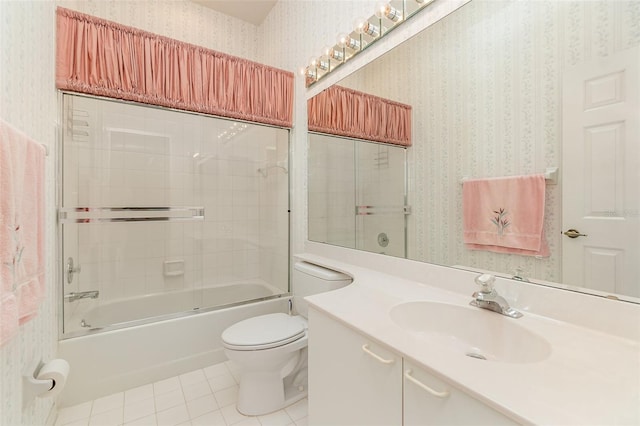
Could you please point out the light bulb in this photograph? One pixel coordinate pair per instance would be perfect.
(319, 63)
(336, 54)
(345, 40)
(387, 11)
(366, 27)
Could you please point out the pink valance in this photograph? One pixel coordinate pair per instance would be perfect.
(101, 57)
(346, 112)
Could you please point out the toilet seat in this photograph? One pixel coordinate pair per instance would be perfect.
(264, 332)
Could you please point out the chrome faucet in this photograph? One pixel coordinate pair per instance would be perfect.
(488, 298)
(73, 296)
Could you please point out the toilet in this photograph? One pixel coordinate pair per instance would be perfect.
(271, 350)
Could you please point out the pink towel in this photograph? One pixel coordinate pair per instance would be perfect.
(505, 215)
(21, 229)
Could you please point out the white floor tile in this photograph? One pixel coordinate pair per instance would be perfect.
(196, 390)
(108, 403)
(201, 406)
(216, 370)
(298, 410)
(227, 396)
(173, 416)
(231, 415)
(138, 410)
(166, 386)
(191, 399)
(222, 382)
(214, 418)
(279, 418)
(168, 400)
(74, 413)
(81, 422)
(144, 421)
(138, 394)
(192, 377)
(249, 421)
(107, 418)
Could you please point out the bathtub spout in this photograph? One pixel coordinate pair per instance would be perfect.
(73, 296)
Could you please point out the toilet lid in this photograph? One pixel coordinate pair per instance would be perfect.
(263, 332)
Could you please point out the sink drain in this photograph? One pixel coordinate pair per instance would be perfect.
(476, 356)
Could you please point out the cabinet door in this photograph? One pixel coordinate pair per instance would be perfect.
(431, 401)
(352, 380)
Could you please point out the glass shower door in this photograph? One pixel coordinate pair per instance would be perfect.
(166, 213)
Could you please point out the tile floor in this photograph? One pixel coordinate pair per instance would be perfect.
(204, 397)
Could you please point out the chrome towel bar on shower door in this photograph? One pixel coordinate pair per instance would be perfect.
(128, 214)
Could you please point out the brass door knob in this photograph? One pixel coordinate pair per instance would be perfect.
(574, 233)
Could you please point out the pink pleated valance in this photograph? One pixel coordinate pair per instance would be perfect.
(104, 58)
(346, 112)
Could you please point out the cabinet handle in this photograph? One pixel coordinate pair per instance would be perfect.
(408, 376)
(366, 349)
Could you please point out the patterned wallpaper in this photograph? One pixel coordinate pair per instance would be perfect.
(28, 102)
(182, 20)
(492, 73)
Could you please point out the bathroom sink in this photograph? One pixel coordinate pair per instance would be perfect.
(472, 332)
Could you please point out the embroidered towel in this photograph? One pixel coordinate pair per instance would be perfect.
(21, 229)
(505, 215)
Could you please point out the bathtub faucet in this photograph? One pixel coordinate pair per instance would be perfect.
(73, 296)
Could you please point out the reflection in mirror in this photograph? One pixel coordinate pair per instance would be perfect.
(357, 194)
(507, 88)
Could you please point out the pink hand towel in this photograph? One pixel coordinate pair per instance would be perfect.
(505, 215)
(21, 229)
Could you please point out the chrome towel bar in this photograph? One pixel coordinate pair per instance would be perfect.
(128, 214)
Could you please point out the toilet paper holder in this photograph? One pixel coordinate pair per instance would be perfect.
(33, 387)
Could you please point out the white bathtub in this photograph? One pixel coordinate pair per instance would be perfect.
(112, 361)
(120, 311)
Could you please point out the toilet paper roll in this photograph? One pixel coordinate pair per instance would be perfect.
(56, 370)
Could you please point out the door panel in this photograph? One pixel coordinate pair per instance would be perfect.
(601, 180)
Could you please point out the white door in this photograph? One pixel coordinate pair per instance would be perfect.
(601, 178)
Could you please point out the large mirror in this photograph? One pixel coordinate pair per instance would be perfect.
(504, 88)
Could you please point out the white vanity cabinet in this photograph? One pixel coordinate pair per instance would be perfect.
(355, 381)
(347, 384)
(431, 401)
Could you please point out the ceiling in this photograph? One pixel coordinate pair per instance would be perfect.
(252, 11)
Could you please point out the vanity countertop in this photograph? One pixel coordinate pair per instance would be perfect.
(589, 377)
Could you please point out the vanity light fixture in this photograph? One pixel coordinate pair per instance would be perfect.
(366, 32)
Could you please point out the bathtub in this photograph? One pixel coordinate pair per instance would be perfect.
(113, 360)
(119, 312)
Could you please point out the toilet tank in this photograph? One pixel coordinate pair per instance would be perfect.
(309, 279)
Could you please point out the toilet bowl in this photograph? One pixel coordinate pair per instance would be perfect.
(271, 350)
